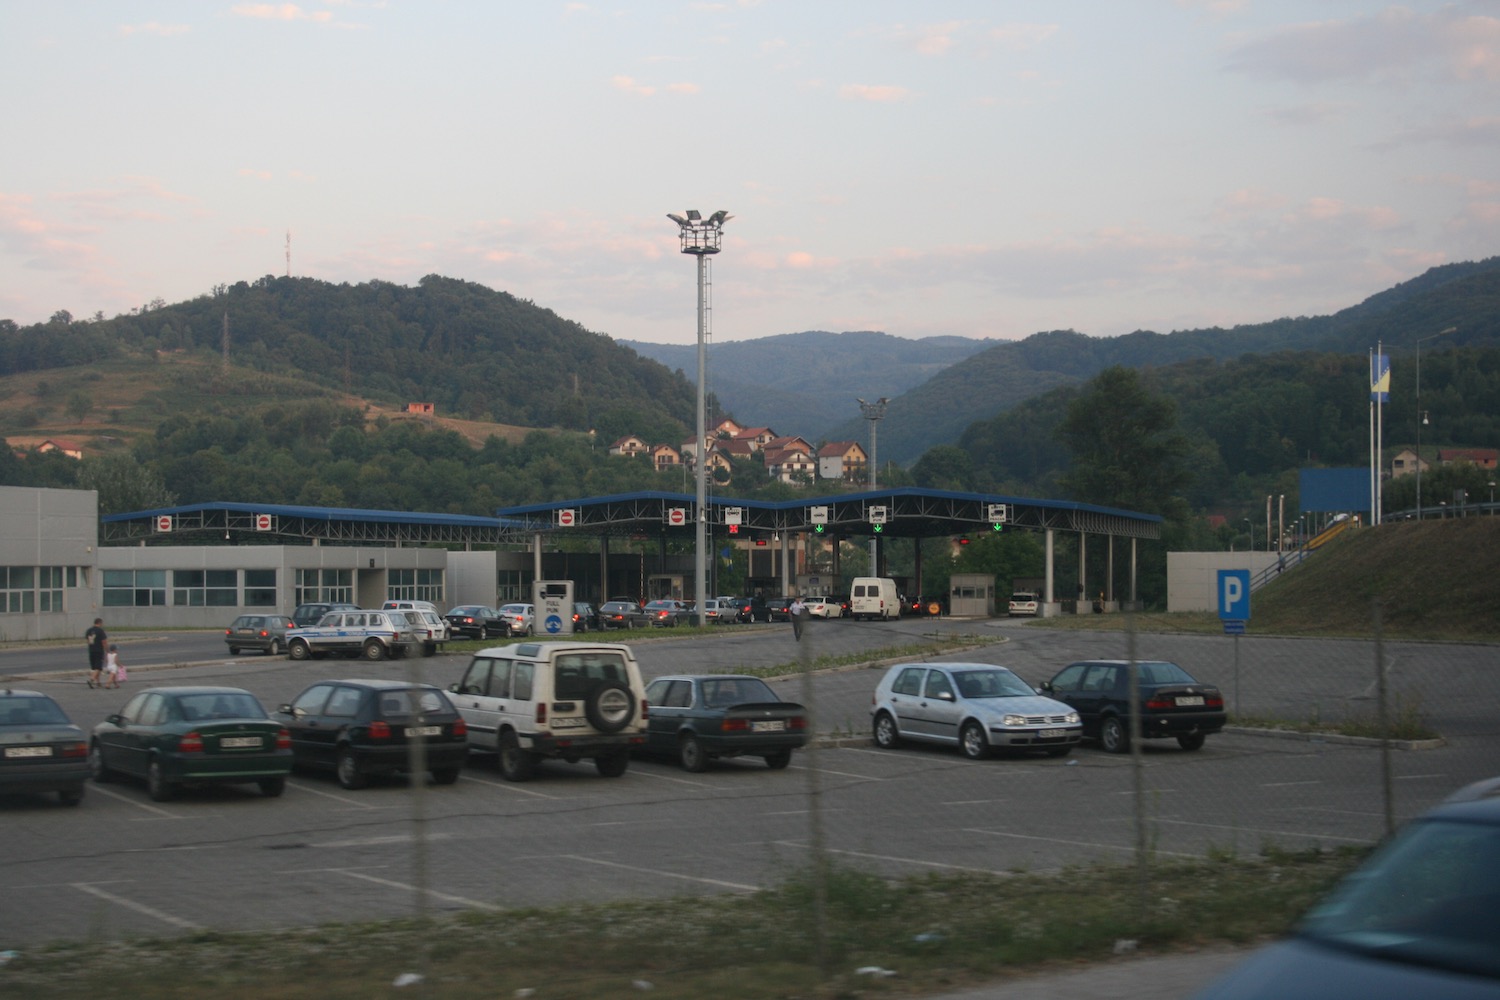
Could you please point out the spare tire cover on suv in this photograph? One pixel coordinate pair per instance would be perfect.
(609, 707)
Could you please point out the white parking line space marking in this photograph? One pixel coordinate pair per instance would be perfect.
(898, 860)
(1077, 843)
(347, 800)
(1269, 833)
(140, 908)
(431, 893)
(841, 774)
(1287, 784)
(157, 813)
(658, 873)
(674, 779)
(507, 786)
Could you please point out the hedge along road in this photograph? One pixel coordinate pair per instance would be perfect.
(120, 865)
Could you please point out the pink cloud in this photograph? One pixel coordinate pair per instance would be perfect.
(874, 93)
(280, 12)
(154, 28)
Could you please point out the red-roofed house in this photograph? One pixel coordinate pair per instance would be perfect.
(844, 460)
(1485, 458)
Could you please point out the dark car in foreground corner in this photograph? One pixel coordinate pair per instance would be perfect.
(357, 728)
(187, 736)
(1173, 704)
(696, 718)
(1417, 919)
(42, 750)
(266, 633)
(476, 621)
(978, 707)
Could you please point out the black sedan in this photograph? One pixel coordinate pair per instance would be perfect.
(475, 621)
(42, 750)
(176, 736)
(358, 728)
(696, 718)
(623, 614)
(584, 617)
(1173, 704)
(779, 609)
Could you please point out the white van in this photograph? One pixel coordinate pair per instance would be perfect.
(874, 597)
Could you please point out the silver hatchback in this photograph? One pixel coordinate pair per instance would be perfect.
(977, 707)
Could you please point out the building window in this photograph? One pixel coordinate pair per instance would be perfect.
(325, 585)
(260, 588)
(205, 588)
(135, 588)
(416, 585)
(512, 586)
(49, 592)
(17, 589)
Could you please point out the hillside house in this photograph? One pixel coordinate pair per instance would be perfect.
(755, 437)
(72, 449)
(1407, 462)
(665, 457)
(628, 446)
(791, 462)
(422, 409)
(1485, 458)
(844, 460)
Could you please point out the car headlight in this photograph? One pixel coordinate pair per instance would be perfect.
(1013, 720)
(1071, 717)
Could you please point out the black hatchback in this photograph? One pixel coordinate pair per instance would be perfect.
(1173, 704)
(358, 728)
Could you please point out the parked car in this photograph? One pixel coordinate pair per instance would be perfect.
(185, 736)
(666, 614)
(585, 617)
(520, 618)
(1417, 919)
(715, 612)
(1023, 603)
(266, 633)
(696, 718)
(311, 614)
(374, 635)
(431, 629)
(357, 728)
(1173, 704)
(400, 605)
(475, 621)
(923, 606)
(622, 614)
(534, 701)
(977, 707)
(823, 607)
(778, 609)
(42, 750)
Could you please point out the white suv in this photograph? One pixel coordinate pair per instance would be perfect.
(570, 700)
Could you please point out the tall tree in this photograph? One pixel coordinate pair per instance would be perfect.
(1127, 451)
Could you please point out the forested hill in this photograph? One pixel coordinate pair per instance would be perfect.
(1463, 296)
(475, 352)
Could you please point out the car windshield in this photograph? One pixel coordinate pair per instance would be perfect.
(1428, 897)
(17, 711)
(736, 691)
(991, 684)
(219, 705)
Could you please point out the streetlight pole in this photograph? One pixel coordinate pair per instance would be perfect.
(1250, 532)
(873, 412)
(701, 238)
(1421, 416)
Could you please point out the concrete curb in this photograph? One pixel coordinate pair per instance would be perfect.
(1354, 741)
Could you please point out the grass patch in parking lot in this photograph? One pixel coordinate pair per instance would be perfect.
(934, 933)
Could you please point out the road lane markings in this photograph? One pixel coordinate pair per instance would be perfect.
(140, 908)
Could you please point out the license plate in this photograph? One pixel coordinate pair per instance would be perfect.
(423, 731)
(239, 742)
(1195, 699)
(28, 751)
(768, 726)
(1051, 734)
(569, 723)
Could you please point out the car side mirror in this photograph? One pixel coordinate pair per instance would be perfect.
(1044, 688)
(287, 710)
(454, 687)
(945, 696)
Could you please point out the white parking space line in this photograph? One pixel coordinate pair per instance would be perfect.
(676, 780)
(140, 908)
(975, 802)
(898, 860)
(658, 873)
(395, 838)
(156, 813)
(1075, 843)
(431, 893)
(1269, 833)
(841, 774)
(506, 786)
(1287, 784)
(347, 800)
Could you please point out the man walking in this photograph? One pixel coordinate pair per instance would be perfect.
(797, 611)
(98, 643)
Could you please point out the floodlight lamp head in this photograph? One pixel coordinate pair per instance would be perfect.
(677, 218)
(693, 215)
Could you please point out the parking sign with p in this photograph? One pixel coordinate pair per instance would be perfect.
(1234, 594)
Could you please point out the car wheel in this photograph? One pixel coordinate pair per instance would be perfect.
(1112, 735)
(70, 796)
(234, 651)
(778, 760)
(1192, 741)
(348, 770)
(690, 754)
(373, 650)
(272, 788)
(97, 770)
(972, 742)
(610, 707)
(516, 764)
(444, 775)
(887, 736)
(298, 650)
(157, 785)
(274, 649)
(612, 765)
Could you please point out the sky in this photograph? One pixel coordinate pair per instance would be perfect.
(984, 169)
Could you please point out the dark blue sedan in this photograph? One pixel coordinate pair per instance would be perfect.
(696, 718)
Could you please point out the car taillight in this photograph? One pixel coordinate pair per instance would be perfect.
(283, 739)
(796, 722)
(265, 633)
(380, 730)
(541, 713)
(736, 725)
(191, 742)
(1160, 704)
(229, 631)
(1214, 701)
(75, 750)
(460, 727)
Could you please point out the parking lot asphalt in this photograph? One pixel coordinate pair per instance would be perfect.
(1135, 977)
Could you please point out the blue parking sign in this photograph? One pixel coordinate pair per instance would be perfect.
(1234, 594)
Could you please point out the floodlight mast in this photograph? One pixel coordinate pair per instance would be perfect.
(701, 238)
(873, 412)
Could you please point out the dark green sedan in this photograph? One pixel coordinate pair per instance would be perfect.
(184, 736)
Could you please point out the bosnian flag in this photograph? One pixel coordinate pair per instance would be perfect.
(1380, 378)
